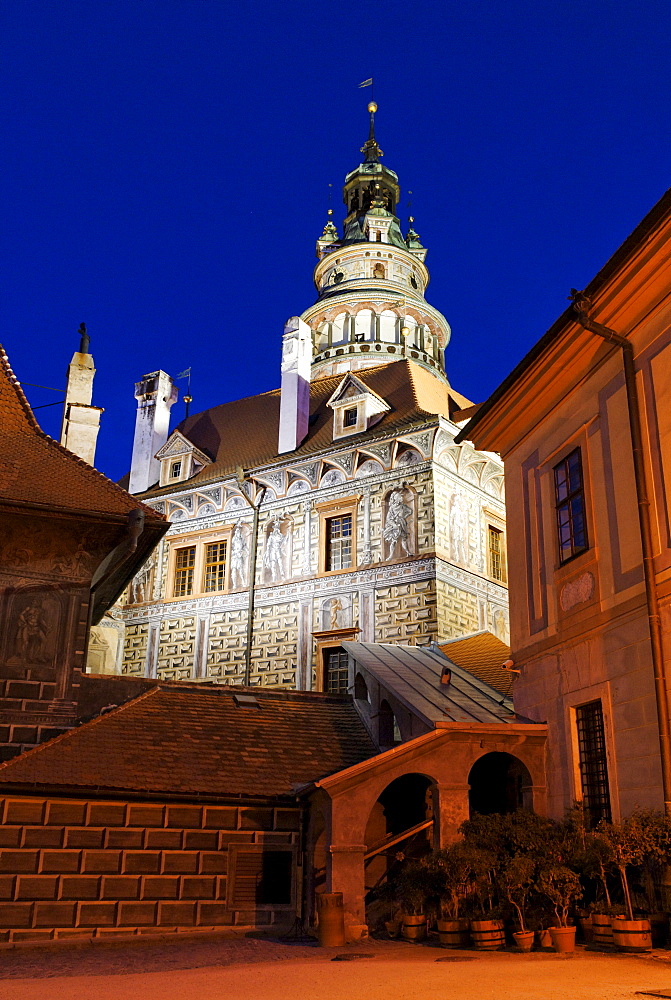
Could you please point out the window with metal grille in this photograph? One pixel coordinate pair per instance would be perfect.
(215, 567)
(185, 560)
(336, 671)
(593, 763)
(262, 878)
(570, 505)
(349, 417)
(339, 542)
(495, 545)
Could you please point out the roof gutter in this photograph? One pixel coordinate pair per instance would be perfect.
(582, 305)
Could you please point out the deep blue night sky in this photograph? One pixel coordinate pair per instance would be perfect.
(165, 171)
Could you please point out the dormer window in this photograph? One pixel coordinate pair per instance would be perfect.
(180, 460)
(356, 408)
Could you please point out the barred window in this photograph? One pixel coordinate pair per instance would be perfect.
(570, 505)
(185, 560)
(339, 542)
(495, 546)
(593, 763)
(215, 567)
(336, 671)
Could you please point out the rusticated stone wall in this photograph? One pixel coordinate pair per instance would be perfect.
(82, 868)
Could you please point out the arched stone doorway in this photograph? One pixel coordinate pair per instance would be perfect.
(499, 783)
(400, 823)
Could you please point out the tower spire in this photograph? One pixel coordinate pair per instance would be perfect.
(370, 148)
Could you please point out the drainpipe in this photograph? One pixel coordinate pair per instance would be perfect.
(256, 507)
(582, 304)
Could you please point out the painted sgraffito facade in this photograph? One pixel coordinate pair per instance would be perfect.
(344, 489)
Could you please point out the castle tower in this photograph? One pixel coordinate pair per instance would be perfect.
(371, 281)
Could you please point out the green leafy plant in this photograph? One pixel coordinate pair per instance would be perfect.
(562, 887)
(516, 880)
(412, 887)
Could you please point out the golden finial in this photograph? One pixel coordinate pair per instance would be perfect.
(372, 107)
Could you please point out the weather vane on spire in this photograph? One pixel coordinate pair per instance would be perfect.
(370, 148)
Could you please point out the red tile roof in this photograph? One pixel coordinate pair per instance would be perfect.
(482, 655)
(36, 469)
(245, 432)
(196, 740)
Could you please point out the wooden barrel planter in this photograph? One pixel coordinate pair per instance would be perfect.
(414, 927)
(586, 928)
(453, 933)
(487, 934)
(563, 938)
(631, 935)
(602, 930)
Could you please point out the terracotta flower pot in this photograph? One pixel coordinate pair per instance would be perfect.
(602, 930)
(523, 939)
(414, 927)
(453, 933)
(563, 938)
(544, 939)
(487, 934)
(631, 935)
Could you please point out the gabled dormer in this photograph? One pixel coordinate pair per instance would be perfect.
(180, 459)
(355, 407)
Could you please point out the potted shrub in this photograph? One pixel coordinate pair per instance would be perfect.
(515, 880)
(486, 923)
(412, 886)
(562, 887)
(629, 841)
(452, 872)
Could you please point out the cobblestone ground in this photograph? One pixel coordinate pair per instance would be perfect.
(250, 969)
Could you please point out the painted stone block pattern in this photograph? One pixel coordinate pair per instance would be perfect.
(86, 869)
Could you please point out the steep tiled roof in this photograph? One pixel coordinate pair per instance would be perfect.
(482, 654)
(36, 469)
(196, 740)
(412, 674)
(245, 432)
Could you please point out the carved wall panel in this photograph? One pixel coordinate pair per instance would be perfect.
(176, 649)
(225, 655)
(135, 649)
(406, 613)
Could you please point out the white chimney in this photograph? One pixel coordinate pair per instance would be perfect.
(295, 393)
(155, 395)
(81, 421)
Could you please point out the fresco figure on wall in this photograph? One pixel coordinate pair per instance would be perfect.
(239, 550)
(31, 633)
(459, 528)
(141, 585)
(396, 531)
(336, 608)
(273, 557)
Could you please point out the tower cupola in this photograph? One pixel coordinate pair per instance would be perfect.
(371, 281)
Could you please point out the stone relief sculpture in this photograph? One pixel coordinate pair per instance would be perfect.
(142, 584)
(239, 556)
(336, 608)
(274, 557)
(396, 531)
(458, 522)
(32, 629)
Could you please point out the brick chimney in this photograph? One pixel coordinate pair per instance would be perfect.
(155, 395)
(295, 393)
